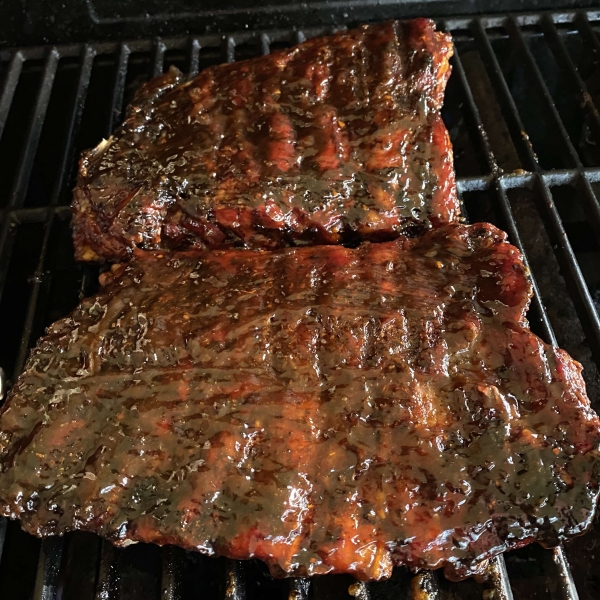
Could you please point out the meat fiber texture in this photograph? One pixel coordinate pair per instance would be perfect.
(324, 409)
(337, 139)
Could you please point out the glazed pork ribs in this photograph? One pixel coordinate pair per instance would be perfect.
(339, 138)
(324, 409)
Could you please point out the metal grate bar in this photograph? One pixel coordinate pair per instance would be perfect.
(473, 114)
(194, 57)
(229, 48)
(592, 205)
(107, 585)
(360, 591)
(265, 44)
(172, 565)
(525, 149)
(507, 104)
(6, 244)
(19, 189)
(566, 586)
(3, 525)
(299, 36)
(68, 156)
(565, 62)
(570, 155)
(172, 43)
(235, 588)
(299, 589)
(499, 188)
(144, 45)
(498, 578)
(36, 214)
(515, 238)
(38, 278)
(425, 586)
(10, 85)
(116, 104)
(563, 245)
(158, 57)
(587, 33)
(569, 152)
(46, 580)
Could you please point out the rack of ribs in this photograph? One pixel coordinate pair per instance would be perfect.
(324, 409)
(337, 139)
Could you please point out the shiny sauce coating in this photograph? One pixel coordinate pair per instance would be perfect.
(337, 139)
(324, 409)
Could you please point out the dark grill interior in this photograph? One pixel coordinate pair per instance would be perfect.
(521, 107)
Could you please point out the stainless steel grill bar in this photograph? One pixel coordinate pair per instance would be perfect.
(591, 202)
(158, 57)
(564, 60)
(509, 109)
(10, 85)
(19, 189)
(46, 580)
(568, 589)
(116, 105)
(587, 33)
(194, 57)
(235, 581)
(171, 569)
(299, 36)
(458, 24)
(566, 586)
(68, 155)
(66, 162)
(229, 44)
(498, 578)
(570, 156)
(425, 586)
(3, 524)
(265, 44)
(299, 589)
(499, 189)
(474, 116)
(360, 591)
(107, 585)
(6, 243)
(527, 154)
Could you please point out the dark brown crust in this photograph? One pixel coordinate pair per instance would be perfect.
(340, 137)
(323, 409)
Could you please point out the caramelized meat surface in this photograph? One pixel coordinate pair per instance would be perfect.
(323, 409)
(340, 137)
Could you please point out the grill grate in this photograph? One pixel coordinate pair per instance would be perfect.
(522, 111)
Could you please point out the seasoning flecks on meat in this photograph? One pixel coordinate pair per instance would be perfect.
(324, 409)
(338, 138)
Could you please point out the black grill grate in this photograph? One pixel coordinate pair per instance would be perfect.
(522, 111)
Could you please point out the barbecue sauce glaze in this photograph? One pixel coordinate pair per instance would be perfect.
(337, 139)
(324, 409)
